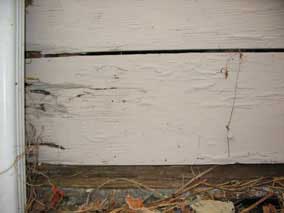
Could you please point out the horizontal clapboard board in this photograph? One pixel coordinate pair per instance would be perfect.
(59, 26)
(156, 109)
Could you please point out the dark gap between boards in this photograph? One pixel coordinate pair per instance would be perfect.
(39, 54)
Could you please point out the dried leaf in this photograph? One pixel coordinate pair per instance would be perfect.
(57, 196)
(134, 203)
(269, 209)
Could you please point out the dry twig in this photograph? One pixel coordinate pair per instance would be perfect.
(253, 206)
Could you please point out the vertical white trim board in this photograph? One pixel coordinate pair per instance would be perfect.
(12, 144)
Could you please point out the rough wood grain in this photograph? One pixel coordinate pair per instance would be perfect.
(56, 26)
(158, 109)
(158, 177)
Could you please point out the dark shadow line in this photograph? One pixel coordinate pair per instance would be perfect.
(38, 54)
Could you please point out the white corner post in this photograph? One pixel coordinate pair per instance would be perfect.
(12, 145)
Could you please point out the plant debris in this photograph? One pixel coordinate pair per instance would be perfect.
(194, 197)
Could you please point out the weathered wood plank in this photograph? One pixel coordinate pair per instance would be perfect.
(56, 26)
(158, 109)
(158, 177)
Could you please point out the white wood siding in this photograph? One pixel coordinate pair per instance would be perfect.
(55, 26)
(157, 109)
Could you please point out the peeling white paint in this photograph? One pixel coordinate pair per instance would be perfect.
(76, 26)
(158, 109)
